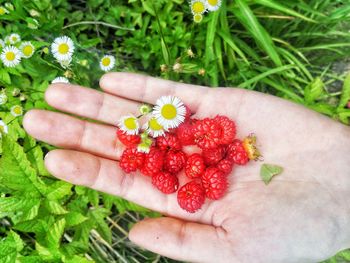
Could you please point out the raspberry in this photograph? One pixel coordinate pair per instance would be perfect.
(153, 163)
(228, 128)
(185, 134)
(128, 140)
(237, 153)
(215, 183)
(165, 182)
(131, 160)
(213, 156)
(207, 133)
(174, 161)
(191, 196)
(188, 113)
(195, 166)
(168, 142)
(225, 166)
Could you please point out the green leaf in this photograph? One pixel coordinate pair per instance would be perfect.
(17, 240)
(267, 171)
(55, 233)
(74, 218)
(99, 215)
(5, 76)
(313, 90)
(77, 259)
(58, 190)
(345, 95)
(54, 207)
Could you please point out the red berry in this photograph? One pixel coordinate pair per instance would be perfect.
(191, 196)
(168, 142)
(225, 166)
(165, 182)
(237, 153)
(188, 113)
(215, 183)
(128, 140)
(195, 166)
(207, 133)
(185, 133)
(131, 160)
(213, 156)
(228, 128)
(174, 161)
(153, 163)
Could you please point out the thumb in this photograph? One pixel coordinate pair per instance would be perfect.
(182, 240)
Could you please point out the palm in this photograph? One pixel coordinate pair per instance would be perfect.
(253, 222)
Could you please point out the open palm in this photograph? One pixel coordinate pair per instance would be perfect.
(301, 216)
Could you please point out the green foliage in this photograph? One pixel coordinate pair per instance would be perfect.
(285, 48)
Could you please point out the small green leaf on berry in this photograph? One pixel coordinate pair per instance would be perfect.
(267, 171)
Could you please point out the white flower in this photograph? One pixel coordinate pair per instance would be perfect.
(3, 128)
(17, 110)
(129, 124)
(153, 128)
(14, 38)
(197, 18)
(3, 10)
(62, 48)
(27, 49)
(198, 6)
(10, 56)
(65, 63)
(213, 5)
(169, 111)
(2, 43)
(3, 98)
(60, 80)
(107, 63)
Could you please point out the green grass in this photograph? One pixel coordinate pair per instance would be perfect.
(285, 48)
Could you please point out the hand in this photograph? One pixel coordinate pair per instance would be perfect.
(301, 216)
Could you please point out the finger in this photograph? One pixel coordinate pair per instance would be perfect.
(89, 103)
(68, 132)
(144, 88)
(106, 176)
(182, 240)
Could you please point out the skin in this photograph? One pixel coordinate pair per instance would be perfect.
(301, 216)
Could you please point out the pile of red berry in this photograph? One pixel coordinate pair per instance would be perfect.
(214, 148)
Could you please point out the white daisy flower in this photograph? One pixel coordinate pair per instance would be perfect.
(62, 48)
(3, 98)
(2, 43)
(169, 111)
(198, 6)
(129, 124)
(14, 38)
(10, 56)
(213, 5)
(3, 10)
(27, 49)
(17, 110)
(60, 80)
(153, 128)
(107, 63)
(197, 18)
(3, 128)
(65, 63)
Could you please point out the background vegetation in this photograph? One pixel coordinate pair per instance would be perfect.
(296, 49)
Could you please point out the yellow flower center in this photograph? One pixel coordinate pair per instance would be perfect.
(2, 11)
(130, 123)
(10, 56)
(14, 39)
(169, 111)
(17, 110)
(63, 48)
(154, 125)
(27, 50)
(106, 61)
(213, 2)
(198, 7)
(197, 18)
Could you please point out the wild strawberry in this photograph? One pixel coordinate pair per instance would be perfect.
(165, 182)
(128, 140)
(207, 133)
(191, 196)
(215, 183)
(185, 134)
(168, 142)
(153, 163)
(131, 160)
(195, 166)
(213, 156)
(174, 161)
(237, 153)
(228, 128)
(225, 166)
